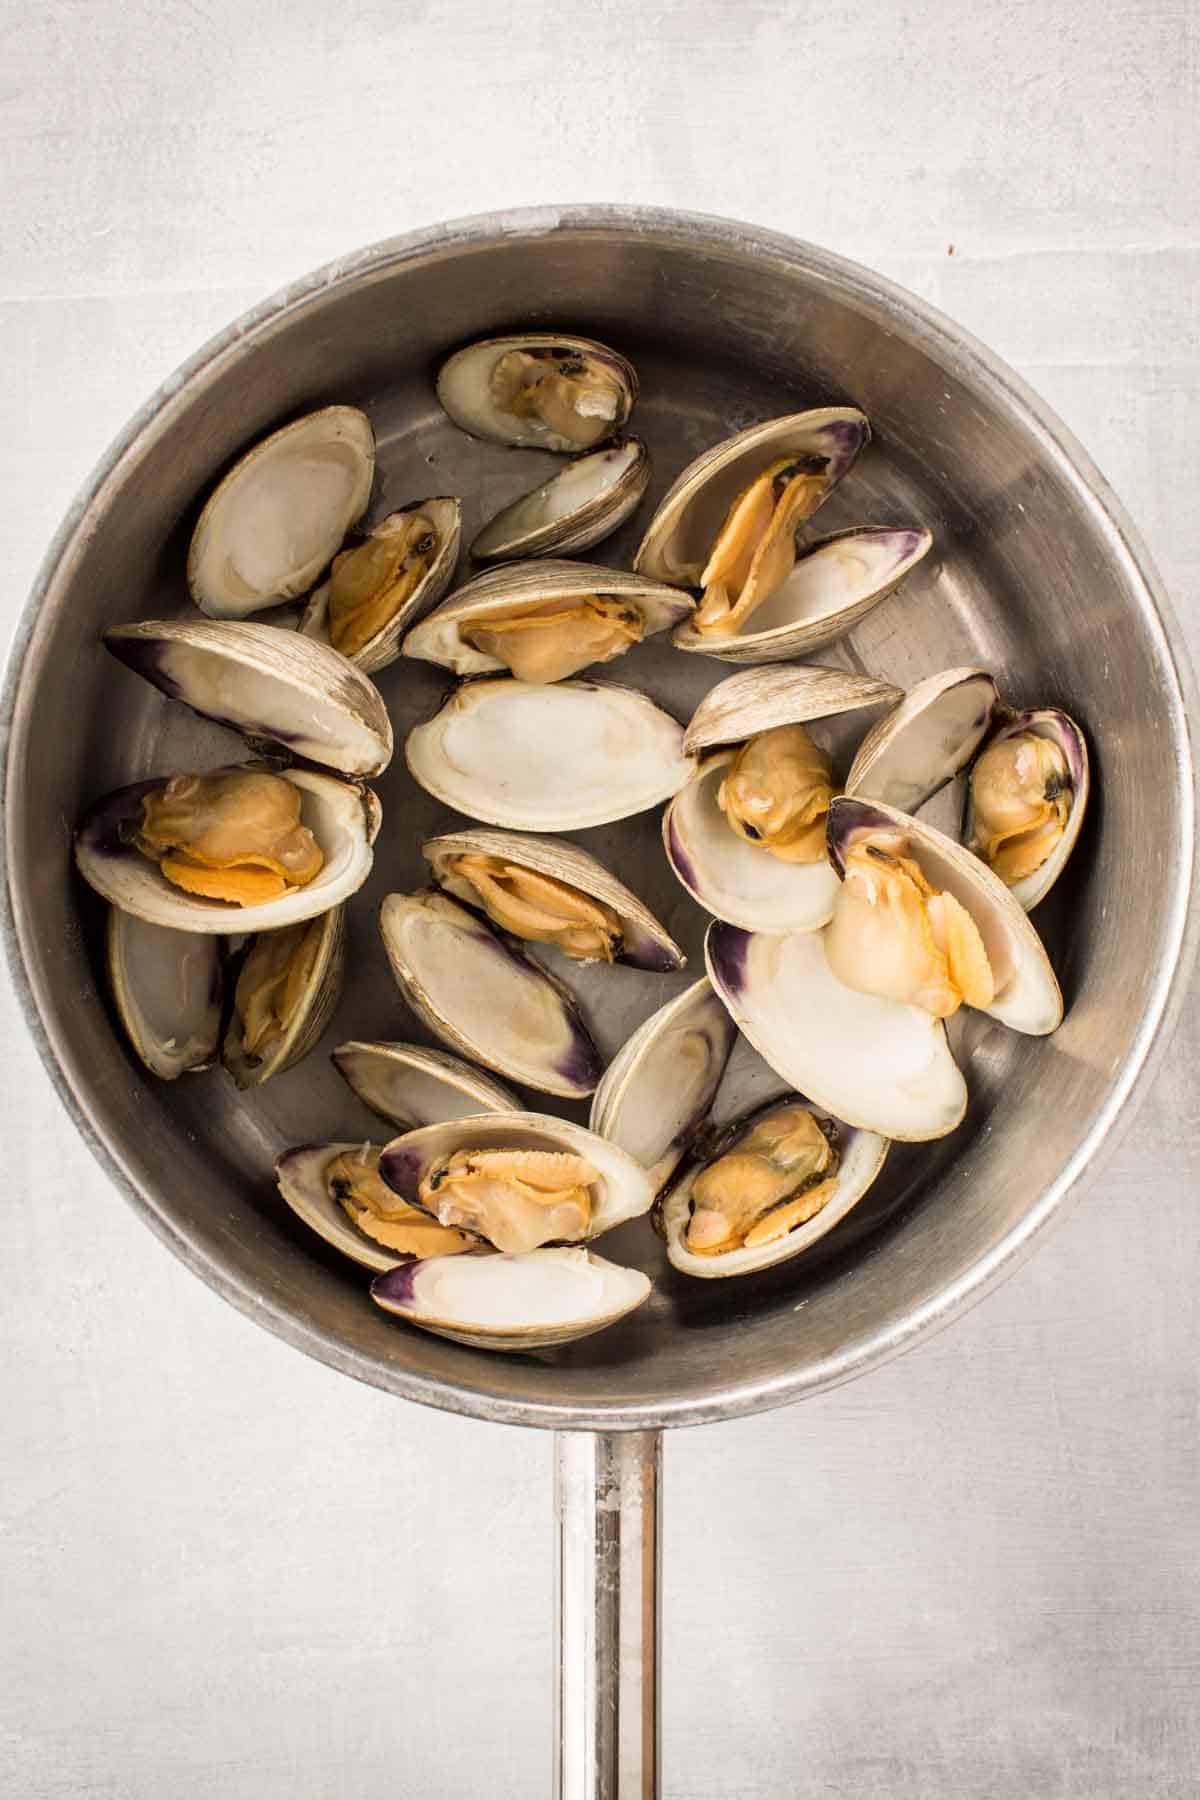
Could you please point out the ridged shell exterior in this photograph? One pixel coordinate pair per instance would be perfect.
(344, 819)
(760, 699)
(482, 357)
(955, 707)
(344, 425)
(577, 1071)
(309, 698)
(862, 1155)
(312, 1015)
(384, 648)
(692, 1033)
(513, 585)
(648, 945)
(381, 1074)
(621, 475)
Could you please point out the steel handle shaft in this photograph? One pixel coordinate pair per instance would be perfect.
(607, 1607)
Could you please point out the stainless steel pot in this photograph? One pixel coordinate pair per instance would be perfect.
(1037, 573)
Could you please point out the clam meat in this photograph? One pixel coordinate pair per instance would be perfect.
(1026, 800)
(379, 586)
(539, 391)
(285, 994)
(235, 836)
(336, 1190)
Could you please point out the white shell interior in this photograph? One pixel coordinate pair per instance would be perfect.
(414, 1086)
(300, 1177)
(874, 1063)
(555, 758)
(281, 513)
(735, 880)
(497, 1005)
(464, 391)
(862, 1155)
(581, 486)
(342, 818)
(167, 986)
(514, 1302)
(923, 744)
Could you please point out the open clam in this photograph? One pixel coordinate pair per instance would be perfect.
(517, 1181)
(1026, 800)
(920, 919)
(581, 505)
(910, 754)
(513, 1303)
(168, 987)
(555, 758)
(746, 836)
(538, 390)
(545, 620)
(280, 514)
(547, 891)
(266, 683)
(767, 1188)
(412, 1085)
(237, 849)
(337, 1191)
(376, 588)
(660, 1085)
(483, 997)
(285, 994)
(875, 1063)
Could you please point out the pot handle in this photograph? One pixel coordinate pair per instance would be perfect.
(606, 1702)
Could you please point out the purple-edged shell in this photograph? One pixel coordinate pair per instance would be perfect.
(1062, 730)
(484, 998)
(643, 941)
(910, 754)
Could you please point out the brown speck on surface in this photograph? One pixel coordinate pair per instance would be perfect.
(949, 249)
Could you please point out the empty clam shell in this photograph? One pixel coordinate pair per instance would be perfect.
(555, 758)
(1027, 993)
(1062, 731)
(483, 997)
(910, 754)
(302, 1178)
(287, 989)
(343, 818)
(168, 987)
(834, 584)
(660, 1085)
(860, 1156)
(619, 1189)
(680, 537)
(629, 930)
(578, 507)
(538, 390)
(267, 683)
(388, 581)
(280, 514)
(412, 1085)
(526, 589)
(513, 1303)
(877, 1064)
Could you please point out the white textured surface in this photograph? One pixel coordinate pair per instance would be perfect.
(227, 1571)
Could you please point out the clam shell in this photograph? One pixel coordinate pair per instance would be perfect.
(660, 1085)
(1027, 997)
(462, 388)
(647, 944)
(267, 683)
(168, 988)
(411, 1085)
(382, 649)
(486, 1301)
(1062, 730)
(578, 507)
(486, 999)
(343, 817)
(909, 755)
(680, 536)
(622, 1190)
(556, 758)
(834, 585)
(759, 699)
(515, 585)
(316, 1009)
(877, 1064)
(300, 1177)
(280, 514)
(736, 881)
(862, 1156)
